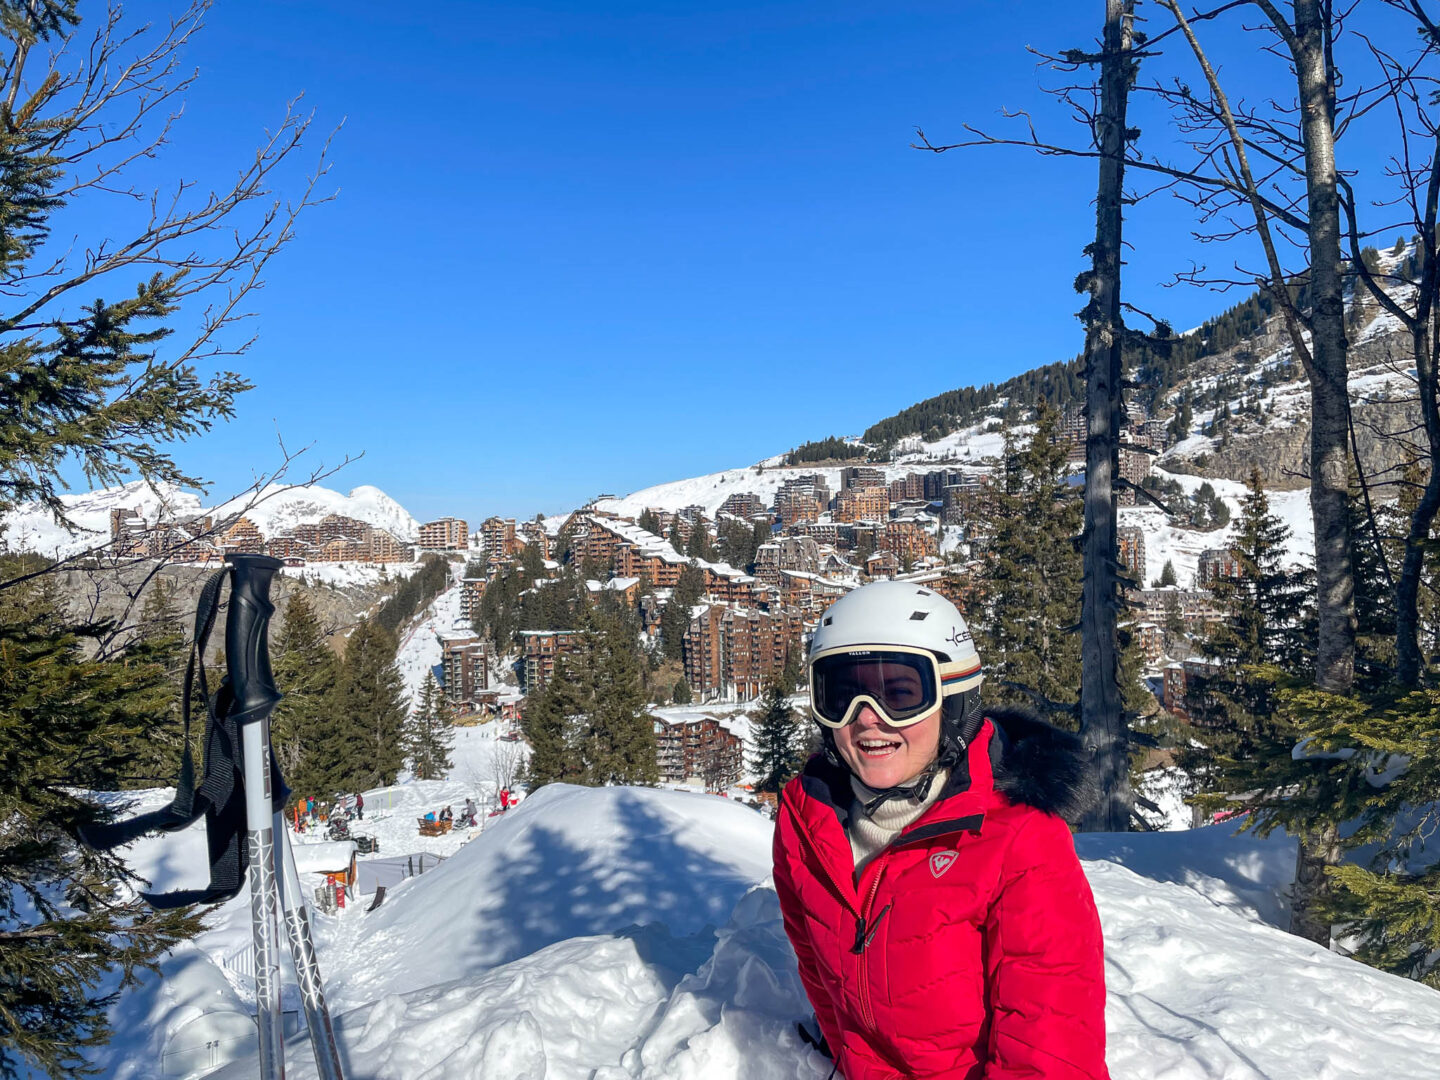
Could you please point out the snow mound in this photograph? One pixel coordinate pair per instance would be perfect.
(577, 939)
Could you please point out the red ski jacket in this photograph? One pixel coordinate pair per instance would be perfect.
(970, 948)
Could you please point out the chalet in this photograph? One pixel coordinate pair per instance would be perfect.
(385, 547)
(744, 505)
(498, 537)
(796, 508)
(1131, 542)
(463, 663)
(446, 534)
(1217, 563)
(909, 539)
(1150, 639)
(731, 652)
(696, 750)
(472, 591)
(539, 648)
(863, 504)
(882, 564)
(853, 477)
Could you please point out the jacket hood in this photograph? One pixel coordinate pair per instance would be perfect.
(1040, 765)
(1028, 761)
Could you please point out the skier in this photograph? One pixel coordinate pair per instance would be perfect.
(469, 814)
(360, 806)
(927, 879)
(504, 798)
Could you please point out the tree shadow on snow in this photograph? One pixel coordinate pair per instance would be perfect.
(548, 889)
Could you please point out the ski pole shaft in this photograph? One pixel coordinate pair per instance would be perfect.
(307, 969)
(254, 696)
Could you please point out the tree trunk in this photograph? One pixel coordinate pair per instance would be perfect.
(1408, 660)
(1407, 588)
(1318, 850)
(1329, 377)
(1102, 720)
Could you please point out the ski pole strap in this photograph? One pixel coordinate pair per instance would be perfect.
(181, 810)
(220, 798)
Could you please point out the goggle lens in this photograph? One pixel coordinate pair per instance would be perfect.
(904, 685)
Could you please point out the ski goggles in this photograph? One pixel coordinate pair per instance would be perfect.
(903, 685)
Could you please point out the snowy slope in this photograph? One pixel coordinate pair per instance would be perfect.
(626, 933)
(275, 509)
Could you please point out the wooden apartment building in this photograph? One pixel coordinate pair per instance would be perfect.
(697, 751)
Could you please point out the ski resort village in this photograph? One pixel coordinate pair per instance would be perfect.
(577, 542)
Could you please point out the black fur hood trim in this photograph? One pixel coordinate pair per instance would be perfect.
(1040, 765)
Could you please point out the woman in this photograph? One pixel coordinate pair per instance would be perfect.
(929, 884)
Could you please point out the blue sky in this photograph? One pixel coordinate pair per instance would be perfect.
(586, 247)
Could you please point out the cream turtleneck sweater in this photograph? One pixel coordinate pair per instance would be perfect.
(870, 835)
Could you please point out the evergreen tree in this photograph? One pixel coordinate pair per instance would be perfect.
(1381, 756)
(1030, 584)
(1239, 735)
(648, 521)
(588, 725)
(429, 736)
(1167, 575)
(159, 639)
(778, 740)
(68, 724)
(306, 671)
(371, 708)
(698, 547)
(675, 617)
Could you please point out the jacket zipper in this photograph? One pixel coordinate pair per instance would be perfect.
(862, 939)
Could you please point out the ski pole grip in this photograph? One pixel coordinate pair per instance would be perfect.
(247, 626)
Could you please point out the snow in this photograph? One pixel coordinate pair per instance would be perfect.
(711, 490)
(633, 934)
(1165, 540)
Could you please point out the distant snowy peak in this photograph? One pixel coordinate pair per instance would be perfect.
(275, 510)
(278, 509)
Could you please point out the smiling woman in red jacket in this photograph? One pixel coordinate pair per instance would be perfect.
(928, 881)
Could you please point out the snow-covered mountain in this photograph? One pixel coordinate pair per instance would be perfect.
(275, 509)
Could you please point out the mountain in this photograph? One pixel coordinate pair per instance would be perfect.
(275, 509)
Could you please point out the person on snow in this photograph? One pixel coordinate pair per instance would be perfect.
(504, 798)
(468, 815)
(360, 806)
(928, 882)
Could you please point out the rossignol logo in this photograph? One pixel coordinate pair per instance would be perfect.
(941, 861)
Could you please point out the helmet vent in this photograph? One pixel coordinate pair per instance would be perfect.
(918, 616)
(829, 619)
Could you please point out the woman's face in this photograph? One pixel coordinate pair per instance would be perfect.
(883, 756)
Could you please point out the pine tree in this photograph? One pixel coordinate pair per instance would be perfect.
(1030, 582)
(1167, 575)
(1238, 735)
(371, 707)
(429, 736)
(588, 725)
(67, 724)
(159, 639)
(95, 382)
(778, 740)
(675, 617)
(305, 720)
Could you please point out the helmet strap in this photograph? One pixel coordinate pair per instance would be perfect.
(916, 792)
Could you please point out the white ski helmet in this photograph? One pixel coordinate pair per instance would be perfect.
(902, 613)
(889, 614)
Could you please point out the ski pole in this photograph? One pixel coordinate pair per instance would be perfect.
(254, 696)
(307, 968)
